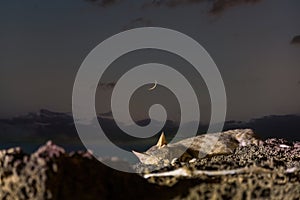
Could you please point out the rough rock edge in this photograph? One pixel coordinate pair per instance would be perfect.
(51, 173)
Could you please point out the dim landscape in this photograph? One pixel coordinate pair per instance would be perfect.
(149, 99)
(238, 168)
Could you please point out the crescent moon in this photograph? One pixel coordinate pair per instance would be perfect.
(154, 86)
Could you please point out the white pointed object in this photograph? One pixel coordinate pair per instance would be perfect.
(162, 141)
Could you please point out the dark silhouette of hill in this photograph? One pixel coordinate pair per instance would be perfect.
(36, 128)
(287, 126)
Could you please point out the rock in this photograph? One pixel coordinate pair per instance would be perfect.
(232, 176)
(264, 170)
(201, 146)
(51, 173)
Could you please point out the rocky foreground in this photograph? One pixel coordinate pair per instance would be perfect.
(270, 170)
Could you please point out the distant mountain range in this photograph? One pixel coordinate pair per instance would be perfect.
(36, 128)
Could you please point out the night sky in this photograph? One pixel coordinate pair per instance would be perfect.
(255, 46)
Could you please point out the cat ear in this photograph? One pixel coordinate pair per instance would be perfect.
(162, 141)
(141, 156)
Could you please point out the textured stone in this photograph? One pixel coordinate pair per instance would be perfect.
(51, 173)
(198, 147)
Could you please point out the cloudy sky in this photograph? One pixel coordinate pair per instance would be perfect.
(255, 46)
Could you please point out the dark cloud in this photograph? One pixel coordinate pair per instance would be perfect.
(104, 3)
(170, 3)
(217, 7)
(221, 5)
(138, 22)
(296, 40)
(109, 85)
